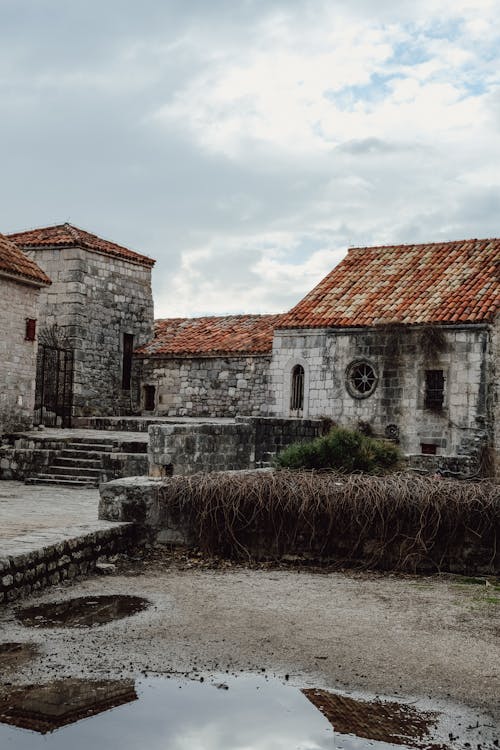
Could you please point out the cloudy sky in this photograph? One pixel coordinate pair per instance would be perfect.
(246, 144)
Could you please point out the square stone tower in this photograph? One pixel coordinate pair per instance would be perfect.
(98, 309)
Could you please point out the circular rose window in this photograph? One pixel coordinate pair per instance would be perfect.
(361, 379)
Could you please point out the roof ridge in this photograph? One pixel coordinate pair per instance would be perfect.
(423, 244)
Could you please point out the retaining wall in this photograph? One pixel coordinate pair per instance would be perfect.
(33, 562)
(390, 541)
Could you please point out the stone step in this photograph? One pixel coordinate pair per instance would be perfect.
(79, 460)
(74, 471)
(49, 478)
(82, 455)
(91, 447)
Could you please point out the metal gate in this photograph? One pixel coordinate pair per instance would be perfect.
(54, 386)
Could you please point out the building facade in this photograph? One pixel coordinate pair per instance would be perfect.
(98, 309)
(401, 341)
(206, 367)
(20, 283)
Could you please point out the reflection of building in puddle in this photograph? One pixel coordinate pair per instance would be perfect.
(376, 720)
(44, 708)
(14, 654)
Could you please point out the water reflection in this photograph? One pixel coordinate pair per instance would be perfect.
(44, 708)
(83, 611)
(251, 713)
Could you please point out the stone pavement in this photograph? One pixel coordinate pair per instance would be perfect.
(27, 509)
(52, 534)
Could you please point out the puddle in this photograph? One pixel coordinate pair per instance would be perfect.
(15, 654)
(84, 611)
(219, 712)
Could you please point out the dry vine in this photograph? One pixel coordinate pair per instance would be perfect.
(399, 522)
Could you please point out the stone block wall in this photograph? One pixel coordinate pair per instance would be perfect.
(205, 386)
(272, 435)
(396, 406)
(248, 443)
(153, 504)
(187, 449)
(18, 301)
(95, 299)
(39, 565)
(495, 376)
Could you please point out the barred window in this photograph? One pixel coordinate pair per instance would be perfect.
(297, 389)
(434, 389)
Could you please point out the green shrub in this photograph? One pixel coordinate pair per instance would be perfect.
(341, 449)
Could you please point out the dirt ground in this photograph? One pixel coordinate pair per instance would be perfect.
(435, 638)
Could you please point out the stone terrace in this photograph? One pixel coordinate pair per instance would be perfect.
(51, 534)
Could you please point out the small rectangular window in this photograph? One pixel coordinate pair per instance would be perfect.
(30, 334)
(428, 449)
(128, 349)
(434, 389)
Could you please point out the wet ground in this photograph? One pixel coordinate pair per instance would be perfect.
(264, 659)
(215, 712)
(83, 611)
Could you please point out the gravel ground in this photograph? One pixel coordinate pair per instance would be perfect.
(401, 636)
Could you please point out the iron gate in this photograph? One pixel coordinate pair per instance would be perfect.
(54, 386)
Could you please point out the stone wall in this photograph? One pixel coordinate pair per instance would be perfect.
(452, 545)
(396, 406)
(248, 443)
(187, 449)
(94, 300)
(496, 400)
(205, 386)
(18, 301)
(39, 565)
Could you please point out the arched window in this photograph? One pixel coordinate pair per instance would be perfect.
(297, 391)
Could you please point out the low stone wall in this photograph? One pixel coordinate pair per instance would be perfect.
(187, 449)
(400, 522)
(28, 564)
(19, 463)
(272, 434)
(250, 442)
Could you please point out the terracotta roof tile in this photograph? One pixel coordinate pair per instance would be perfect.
(230, 334)
(66, 235)
(448, 282)
(15, 263)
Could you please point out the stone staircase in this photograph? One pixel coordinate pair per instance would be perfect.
(81, 463)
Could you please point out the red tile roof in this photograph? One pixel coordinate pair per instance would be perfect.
(230, 334)
(15, 263)
(66, 235)
(442, 282)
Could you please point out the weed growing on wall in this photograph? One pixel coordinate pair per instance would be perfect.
(341, 449)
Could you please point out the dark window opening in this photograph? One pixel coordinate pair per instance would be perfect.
(128, 349)
(434, 389)
(149, 397)
(428, 449)
(297, 390)
(30, 334)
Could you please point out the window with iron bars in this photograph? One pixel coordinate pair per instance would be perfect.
(297, 389)
(434, 389)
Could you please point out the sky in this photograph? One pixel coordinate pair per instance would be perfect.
(246, 144)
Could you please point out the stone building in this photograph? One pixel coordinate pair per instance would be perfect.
(20, 283)
(403, 341)
(207, 367)
(98, 309)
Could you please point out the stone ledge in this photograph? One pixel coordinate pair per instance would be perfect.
(33, 561)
